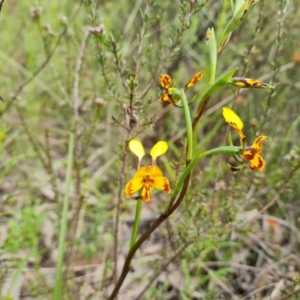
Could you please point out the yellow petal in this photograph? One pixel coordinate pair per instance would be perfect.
(147, 178)
(158, 149)
(257, 144)
(165, 97)
(146, 193)
(234, 121)
(257, 163)
(136, 147)
(133, 186)
(148, 171)
(194, 79)
(165, 81)
(243, 82)
(249, 154)
(161, 183)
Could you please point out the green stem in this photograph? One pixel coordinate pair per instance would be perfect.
(189, 127)
(227, 150)
(189, 131)
(63, 223)
(136, 222)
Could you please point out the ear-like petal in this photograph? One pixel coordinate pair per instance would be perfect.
(136, 147)
(158, 149)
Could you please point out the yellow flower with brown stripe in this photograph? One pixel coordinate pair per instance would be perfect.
(149, 177)
(194, 79)
(172, 93)
(251, 154)
(165, 82)
(242, 82)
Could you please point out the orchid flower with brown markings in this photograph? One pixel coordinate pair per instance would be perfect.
(149, 177)
(252, 153)
(172, 93)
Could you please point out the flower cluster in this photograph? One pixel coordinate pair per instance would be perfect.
(252, 153)
(170, 93)
(149, 177)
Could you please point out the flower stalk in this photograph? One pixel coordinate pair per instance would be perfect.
(136, 223)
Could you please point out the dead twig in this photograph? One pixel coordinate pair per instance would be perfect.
(1, 3)
(42, 66)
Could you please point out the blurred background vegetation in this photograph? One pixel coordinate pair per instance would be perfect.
(69, 66)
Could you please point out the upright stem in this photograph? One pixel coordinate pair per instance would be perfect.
(189, 127)
(189, 147)
(63, 222)
(136, 223)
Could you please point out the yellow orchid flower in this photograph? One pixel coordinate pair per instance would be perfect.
(165, 82)
(149, 177)
(251, 154)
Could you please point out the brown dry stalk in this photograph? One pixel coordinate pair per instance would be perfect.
(1, 4)
(118, 209)
(78, 147)
(42, 66)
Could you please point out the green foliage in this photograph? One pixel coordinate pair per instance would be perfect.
(91, 69)
(24, 231)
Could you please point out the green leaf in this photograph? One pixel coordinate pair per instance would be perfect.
(221, 82)
(212, 48)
